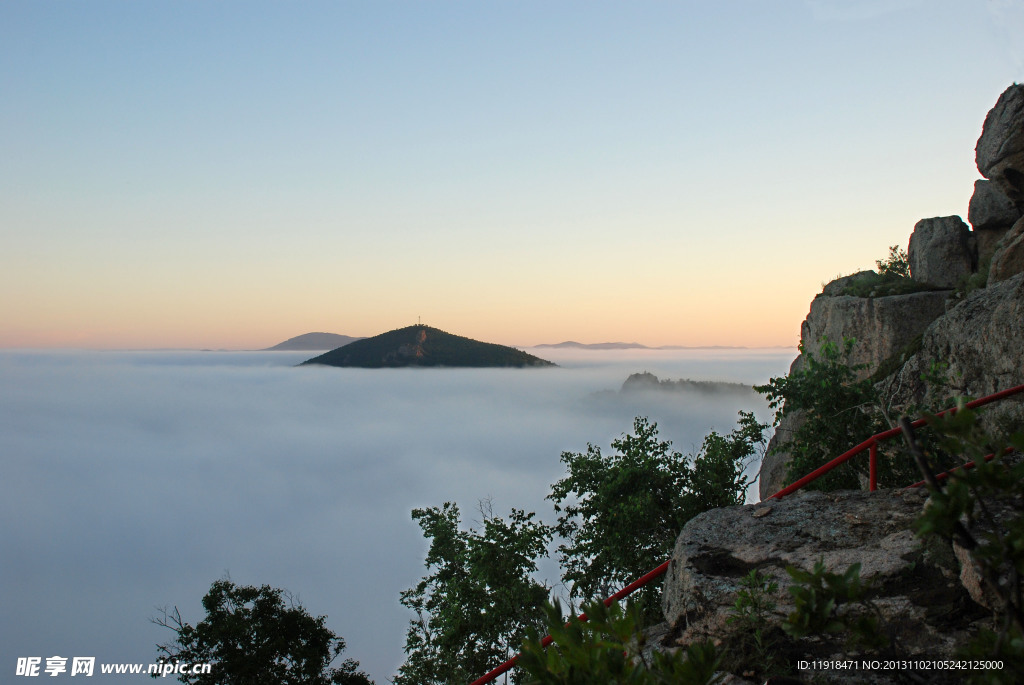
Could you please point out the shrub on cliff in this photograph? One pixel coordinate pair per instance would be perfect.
(891, 278)
(609, 648)
(979, 510)
(896, 264)
(839, 411)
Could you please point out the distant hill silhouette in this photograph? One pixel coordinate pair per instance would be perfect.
(596, 346)
(424, 346)
(646, 381)
(312, 341)
(572, 344)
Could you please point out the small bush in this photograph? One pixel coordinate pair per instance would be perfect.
(755, 648)
(898, 264)
(834, 603)
(609, 648)
(964, 509)
(839, 411)
(879, 285)
(892, 278)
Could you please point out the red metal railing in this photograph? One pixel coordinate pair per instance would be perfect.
(871, 445)
(628, 590)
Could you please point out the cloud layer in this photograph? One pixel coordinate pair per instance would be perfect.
(134, 480)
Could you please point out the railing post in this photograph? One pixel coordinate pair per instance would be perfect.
(873, 467)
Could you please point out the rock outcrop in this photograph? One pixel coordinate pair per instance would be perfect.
(928, 595)
(940, 252)
(1008, 255)
(882, 326)
(990, 209)
(991, 214)
(975, 331)
(980, 341)
(1000, 150)
(923, 607)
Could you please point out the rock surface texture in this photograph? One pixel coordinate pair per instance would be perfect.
(1008, 256)
(775, 465)
(991, 214)
(940, 252)
(882, 326)
(924, 609)
(990, 208)
(980, 341)
(1000, 149)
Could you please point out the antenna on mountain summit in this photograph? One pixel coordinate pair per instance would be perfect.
(418, 322)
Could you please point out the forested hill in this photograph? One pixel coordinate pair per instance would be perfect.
(425, 346)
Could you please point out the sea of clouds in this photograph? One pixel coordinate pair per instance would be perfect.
(133, 480)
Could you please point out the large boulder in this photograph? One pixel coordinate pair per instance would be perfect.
(990, 208)
(915, 585)
(1008, 257)
(1000, 149)
(939, 252)
(881, 325)
(840, 285)
(991, 214)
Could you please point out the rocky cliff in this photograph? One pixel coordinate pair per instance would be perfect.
(967, 312)
(919, 591)
(963, 308)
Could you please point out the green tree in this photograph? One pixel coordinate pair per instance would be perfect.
(897, 264)
(473, 607)
(839, 412)
(256, 635)
(620, 513)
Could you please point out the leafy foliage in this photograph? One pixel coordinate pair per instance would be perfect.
(608, 648)
(829, 603)
(257, 635)
(626, 509)
(892, 278)
(839, 413)
(896, 264)
(754, 647)
(876, 285)
(474, 606)
(981, 509)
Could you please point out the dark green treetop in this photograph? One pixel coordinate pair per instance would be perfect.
(256, 635)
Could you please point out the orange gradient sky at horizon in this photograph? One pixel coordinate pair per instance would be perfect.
(230, 176)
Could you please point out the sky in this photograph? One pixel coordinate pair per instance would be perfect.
(231, 174)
